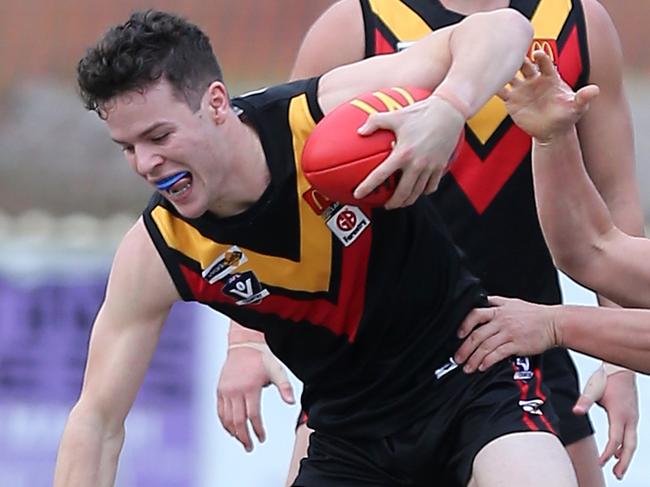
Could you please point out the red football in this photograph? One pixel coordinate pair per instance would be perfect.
(336, 158)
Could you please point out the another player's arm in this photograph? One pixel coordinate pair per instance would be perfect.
(514, 327)
(606, 139)
(607, 144)
(458, 63)
(336, 38)
(600, 249)
(124, 337)
(249, 367)
(579, 228)
(605, 132)
(616, 335)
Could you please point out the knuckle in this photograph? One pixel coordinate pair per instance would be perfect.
(420, 164)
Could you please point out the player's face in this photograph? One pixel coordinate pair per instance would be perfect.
(171, 147)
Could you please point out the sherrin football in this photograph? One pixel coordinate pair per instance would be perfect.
(336, 158)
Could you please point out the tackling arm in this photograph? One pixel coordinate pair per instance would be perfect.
(579, 224)
(619, 336)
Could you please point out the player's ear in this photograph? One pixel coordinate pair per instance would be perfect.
(218, 101)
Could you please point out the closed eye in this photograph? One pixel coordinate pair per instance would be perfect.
(161, 138)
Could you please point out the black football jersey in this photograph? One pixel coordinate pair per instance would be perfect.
(361, 304)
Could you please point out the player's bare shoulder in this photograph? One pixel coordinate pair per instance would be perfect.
(139, 274)
(605, 52)
(336, 38)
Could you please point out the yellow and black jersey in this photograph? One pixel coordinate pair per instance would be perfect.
(362, 305)
(487, 197)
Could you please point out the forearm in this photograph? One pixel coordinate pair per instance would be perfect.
(89, 453)
(238, 334)
(474, 76)
(573, 216)
(619, 336)
(579, 228)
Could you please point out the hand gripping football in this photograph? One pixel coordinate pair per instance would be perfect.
(336, 158)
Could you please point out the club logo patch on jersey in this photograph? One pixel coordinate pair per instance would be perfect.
(245, 288)
(532, 406)
(522, 368)
(224, 265)
(348, 223)
(548, 46)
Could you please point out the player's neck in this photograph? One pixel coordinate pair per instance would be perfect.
(467, 7)
(250, 175)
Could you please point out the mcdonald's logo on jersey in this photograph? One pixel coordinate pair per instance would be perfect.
(317, 200)
(548, 46)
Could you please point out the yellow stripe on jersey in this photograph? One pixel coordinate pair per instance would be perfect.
(315, 237)
(406, 24)
(310, 274)
(550, 17)
(548, 20)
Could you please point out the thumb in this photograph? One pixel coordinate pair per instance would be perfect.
(497, 300)
(286, 392)
(582, 405)
(275, 369)
(585, 95)
(592, 392)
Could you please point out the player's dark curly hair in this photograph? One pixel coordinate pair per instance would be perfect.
(149, 46)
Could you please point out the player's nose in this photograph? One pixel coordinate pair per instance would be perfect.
(147, 160)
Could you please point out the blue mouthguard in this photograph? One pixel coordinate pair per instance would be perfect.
(171, 180)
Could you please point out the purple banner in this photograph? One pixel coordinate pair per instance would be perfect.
(44, 332)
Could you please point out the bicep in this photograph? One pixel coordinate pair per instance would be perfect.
(606, 135)
(622, 271)
(424, 65)
(336, 38)
(126, 330)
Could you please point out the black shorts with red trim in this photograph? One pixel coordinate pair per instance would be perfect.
(561, 379)
(438, 449)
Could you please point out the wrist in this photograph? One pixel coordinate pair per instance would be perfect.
(611, 369)
(240, 334)
(259, 346)
(553, 137)
(452, 99)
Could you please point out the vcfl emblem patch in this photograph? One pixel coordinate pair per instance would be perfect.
(245, 288)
